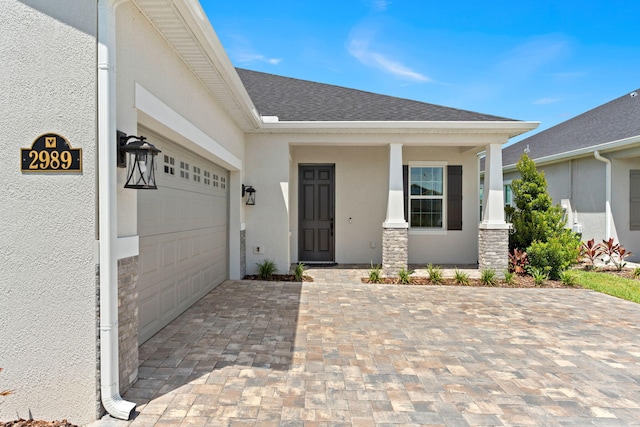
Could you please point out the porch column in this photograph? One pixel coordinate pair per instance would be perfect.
(493, 236)
(395, 230)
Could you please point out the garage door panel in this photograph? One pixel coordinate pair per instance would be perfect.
(149, 310)
(183, 235)
(169, 301)
(148, 257)
(168, 253)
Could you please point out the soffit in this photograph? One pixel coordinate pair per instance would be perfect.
(185, 27)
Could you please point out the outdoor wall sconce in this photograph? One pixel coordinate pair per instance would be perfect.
(139, 157)
(250, 193)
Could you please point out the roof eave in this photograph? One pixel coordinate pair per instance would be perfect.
(177, 20)
(508, 128)
(604, 147)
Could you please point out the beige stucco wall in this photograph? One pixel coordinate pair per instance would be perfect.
(582, 181)
(361, 190)
(620, 179)
(47, 269)
(361, 193)
(146, 59)
(448, 246)
(267, 222)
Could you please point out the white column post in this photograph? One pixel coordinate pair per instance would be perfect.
(395, 234)
(493, 233)
(493, 204)
(395, 201)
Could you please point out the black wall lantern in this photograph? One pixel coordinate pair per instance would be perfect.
(250, 193)
(139, 157)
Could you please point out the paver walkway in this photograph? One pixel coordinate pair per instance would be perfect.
(320, 354)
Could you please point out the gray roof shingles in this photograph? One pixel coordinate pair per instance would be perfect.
(613, 121)
(302, 100)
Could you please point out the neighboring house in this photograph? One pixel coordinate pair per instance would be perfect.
(592, 166)
(90, 269)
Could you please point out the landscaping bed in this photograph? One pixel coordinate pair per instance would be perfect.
(36, 423)
(517, 282)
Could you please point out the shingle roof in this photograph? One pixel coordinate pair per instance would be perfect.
(615, 120)
(302, 100)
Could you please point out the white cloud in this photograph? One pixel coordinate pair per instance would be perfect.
(380, 5)
(359, 49)
(543, 101)
(247, 56)
(530, 56)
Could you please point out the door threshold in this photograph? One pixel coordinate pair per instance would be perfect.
(320, 263)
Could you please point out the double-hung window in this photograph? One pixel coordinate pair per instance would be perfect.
(427, 198)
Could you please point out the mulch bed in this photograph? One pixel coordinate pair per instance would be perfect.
(518, 282)
(36, 423)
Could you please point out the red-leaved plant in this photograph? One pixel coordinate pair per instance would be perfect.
(591, 251)
(613, 252)
(518, 261)
(610, 248)
(618, 260)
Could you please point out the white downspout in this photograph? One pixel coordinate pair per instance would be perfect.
(607, 208)
(108, 215)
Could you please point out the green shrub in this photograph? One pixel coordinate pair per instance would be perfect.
(488, 277)
(299, 272)
(539, 275)
(266, 269)
(404, 276)
(555, 255)
(375, 274)
(509, 277)
(461, 278)
(435, 273)
(636, 273)
(568, 278)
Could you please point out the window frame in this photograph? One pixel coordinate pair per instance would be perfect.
(428, 164)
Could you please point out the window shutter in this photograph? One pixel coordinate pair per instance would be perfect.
(405, 187)
(634, 200)
(454, 197)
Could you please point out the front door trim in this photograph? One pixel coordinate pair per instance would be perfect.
(316, 213)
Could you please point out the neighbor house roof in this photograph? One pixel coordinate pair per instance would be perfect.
(301, 100)
(614, 121)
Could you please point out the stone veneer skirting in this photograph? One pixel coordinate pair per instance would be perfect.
(395, 250)
(243, 253)
(493, 248)
(127, 327)
(128, 321)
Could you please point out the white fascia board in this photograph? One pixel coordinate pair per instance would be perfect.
(200, 27)
(149, 104)
(510, 128)
(604, 147)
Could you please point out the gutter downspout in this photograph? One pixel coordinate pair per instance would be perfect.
(607, 211)
(108, 215)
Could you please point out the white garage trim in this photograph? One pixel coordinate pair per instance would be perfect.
(147, 103)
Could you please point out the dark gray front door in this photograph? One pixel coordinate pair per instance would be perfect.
(316, 216)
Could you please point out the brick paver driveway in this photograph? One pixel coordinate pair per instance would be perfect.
(255, 353)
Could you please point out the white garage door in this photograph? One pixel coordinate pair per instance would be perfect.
(183, 235)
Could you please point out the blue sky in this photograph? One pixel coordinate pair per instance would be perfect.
(543, 60)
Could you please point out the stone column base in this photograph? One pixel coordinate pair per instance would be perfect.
(493, 249)
(128, 321)
(395, 250)
(243, 253)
